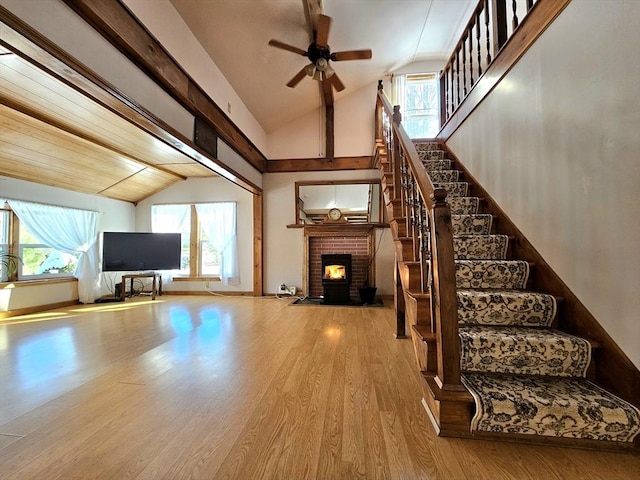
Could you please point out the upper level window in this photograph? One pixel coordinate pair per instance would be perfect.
(419, 99)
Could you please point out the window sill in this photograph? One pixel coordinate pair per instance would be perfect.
(196, 279)
(40, 281)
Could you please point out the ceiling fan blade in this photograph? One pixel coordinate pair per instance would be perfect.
(351, 55)
(335, 81)
(285, 46)
(322, 30)
(297, 78)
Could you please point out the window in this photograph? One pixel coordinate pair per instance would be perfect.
(419, 99)
(208, 237)
(5, 218)
(38, 259)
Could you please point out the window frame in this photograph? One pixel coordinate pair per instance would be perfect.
(195, 257)
(15, 248)
(416, 78)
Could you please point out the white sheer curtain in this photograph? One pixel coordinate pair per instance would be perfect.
(218, 220)
(397, 91)
(170, 219)
(70, 231)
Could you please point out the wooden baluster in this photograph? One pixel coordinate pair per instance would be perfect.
(415, 212)
(529, 5)
(457, 79)
(499, 25)
(406, 195)
(488, 31)
(424, 250)
(478, 45)
(395, 148)
(514, 21)
(471, 58)
(464, 67)
(443, 97)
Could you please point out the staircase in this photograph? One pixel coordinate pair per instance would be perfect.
(523, 378)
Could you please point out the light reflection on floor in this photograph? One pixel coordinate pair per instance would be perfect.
(45, 357)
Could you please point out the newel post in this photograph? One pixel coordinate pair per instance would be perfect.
(444, 306)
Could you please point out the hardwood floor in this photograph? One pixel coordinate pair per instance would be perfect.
(237, 388)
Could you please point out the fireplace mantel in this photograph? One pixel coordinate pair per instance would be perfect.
(340, 226)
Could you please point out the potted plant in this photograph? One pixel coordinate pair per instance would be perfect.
(9, 263)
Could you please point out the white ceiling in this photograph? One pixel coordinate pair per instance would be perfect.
(235, 33)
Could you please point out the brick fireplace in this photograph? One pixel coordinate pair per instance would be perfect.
(357, 241)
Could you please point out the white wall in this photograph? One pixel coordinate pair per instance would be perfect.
(115, 215)
(557, 146)
(284, 247)
(199, 190)
(353, 129)
(164, 22)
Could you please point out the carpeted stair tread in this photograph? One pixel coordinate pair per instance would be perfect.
(429, 152)
(505, 307)
(463, 205)
(444, 176)
(426, 146)
(522, 350)
(552, 407)
(454, 189)
(506, 274)
(480, 247)
(474, 224)
(436, 164)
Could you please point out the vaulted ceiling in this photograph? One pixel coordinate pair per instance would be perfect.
(235, 34)
(53, 134)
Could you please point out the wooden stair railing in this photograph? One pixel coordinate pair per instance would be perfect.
(491, 25)
(427, 220)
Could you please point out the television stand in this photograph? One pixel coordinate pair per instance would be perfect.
(156, 281)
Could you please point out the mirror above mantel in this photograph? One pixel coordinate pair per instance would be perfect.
(358, 202)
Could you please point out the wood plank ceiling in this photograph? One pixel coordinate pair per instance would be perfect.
(63, 138)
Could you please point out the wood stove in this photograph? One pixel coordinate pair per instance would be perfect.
(336, 278)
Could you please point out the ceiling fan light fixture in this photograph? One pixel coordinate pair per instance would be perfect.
(310, 69)
(322, 64)
(328, 72)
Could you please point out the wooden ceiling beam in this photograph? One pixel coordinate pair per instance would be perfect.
(320, 164)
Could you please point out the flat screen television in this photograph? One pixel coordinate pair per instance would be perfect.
(134, 251)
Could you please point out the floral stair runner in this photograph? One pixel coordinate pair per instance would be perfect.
(526, 378)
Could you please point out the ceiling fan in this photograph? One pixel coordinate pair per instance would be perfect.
(320, 55)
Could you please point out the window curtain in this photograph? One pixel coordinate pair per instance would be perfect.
(398, 91)
(70, 231)
(218, 220)
(169, 219)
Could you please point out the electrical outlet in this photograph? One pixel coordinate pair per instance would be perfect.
(283, 290)
(292, 290)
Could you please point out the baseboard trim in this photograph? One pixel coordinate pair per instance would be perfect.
(37, 309)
